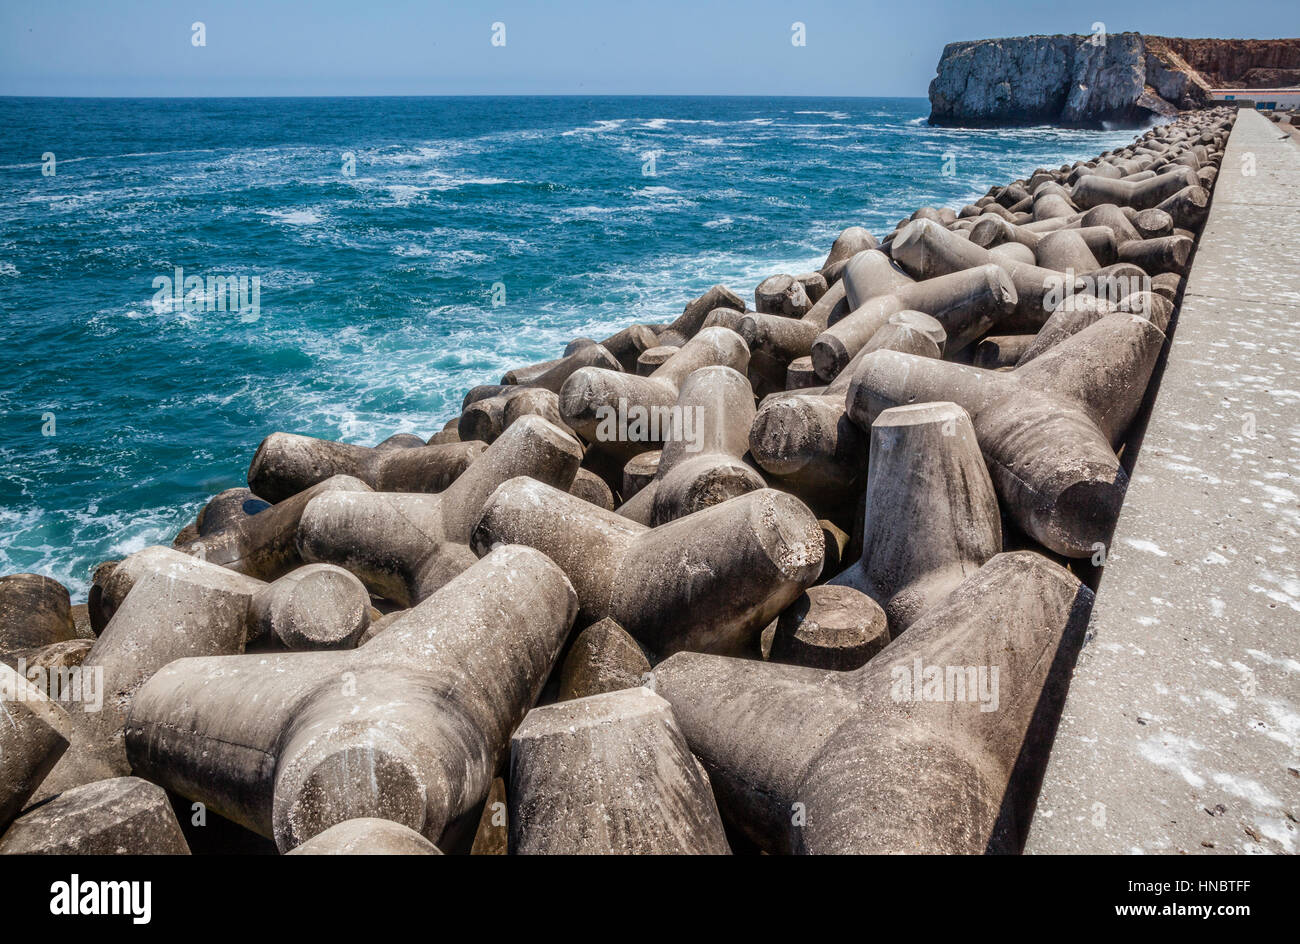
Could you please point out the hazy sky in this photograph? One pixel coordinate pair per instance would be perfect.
(393, 47)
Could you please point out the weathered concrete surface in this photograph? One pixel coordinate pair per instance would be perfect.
(411, 727)
(604, 658)
(1180, 731)
(823, 762)
(34, 733)
(120, 816)
(609, 775)
(367, 835)
(708, 582)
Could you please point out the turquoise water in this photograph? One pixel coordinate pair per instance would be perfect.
(375, 304)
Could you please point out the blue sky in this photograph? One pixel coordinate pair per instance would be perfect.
(375, 47)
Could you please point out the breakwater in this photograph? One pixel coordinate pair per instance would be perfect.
(1187, 690)
(807, 575)
(377, 301)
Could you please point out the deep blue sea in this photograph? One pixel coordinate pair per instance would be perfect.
(375, 310)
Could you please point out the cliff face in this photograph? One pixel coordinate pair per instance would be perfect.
(1066, 80)
(1237, 63)
(1075, 80)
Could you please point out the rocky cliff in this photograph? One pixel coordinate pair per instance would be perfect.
(1236, 63)
(1123, 79)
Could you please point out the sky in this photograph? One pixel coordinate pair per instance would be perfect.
(423, 47)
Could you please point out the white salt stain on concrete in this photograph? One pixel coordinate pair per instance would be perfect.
(1141, 544)
(1279, 830)
(1283, 724)
(1220, 701)
(1173, 753)
(1287, 665)
(1187, 469)
(1248, 790)
(1287, 591)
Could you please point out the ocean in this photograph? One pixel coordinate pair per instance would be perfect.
(395, 252)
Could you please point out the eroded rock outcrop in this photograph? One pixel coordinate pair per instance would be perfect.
(1236, 63)
(1120, 79)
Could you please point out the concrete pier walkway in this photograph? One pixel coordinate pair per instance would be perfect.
(1181, 732)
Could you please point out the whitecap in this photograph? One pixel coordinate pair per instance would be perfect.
(293, 217)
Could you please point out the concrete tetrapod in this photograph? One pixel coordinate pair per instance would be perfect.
(808, 442)
(166, 605)
(609, 775)
(990, 231)
(51, 659)
(639, 471)
(701, 461)
(367, 835)
(286, 464)
(222, 511)
(931, 516)
(557, 372)
(264, 545)
(848, 244)
(1154, 223)
(484, 420)
(1187, 208)
(1047, 429)
(625, 414)
(800, 375)
(1012, 252)
(317, 606)
(926, 251)
(1001, 350)
(653, 358)
(709, 581)
(592, 488)
(782, 295)
(1052, 201)
(35, 611)
(411, 727)
(691, 321)
(1066, 250)
(1160, 255)
(810, 761)
(34, 733)
(119, 816)
(624, 345)
(1079, 311)
(37, 628)
(604, 658)
(775, 341)
(966, 303)
(313, 606)
(404, 547)
(780, 339)
(830, 628)
(485, 417)
(1093, 190)
(869, 275)
(448, 433)
(726, 318)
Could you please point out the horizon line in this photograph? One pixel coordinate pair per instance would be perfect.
(473, 95)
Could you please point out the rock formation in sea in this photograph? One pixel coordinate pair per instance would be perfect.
(1120, 79)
